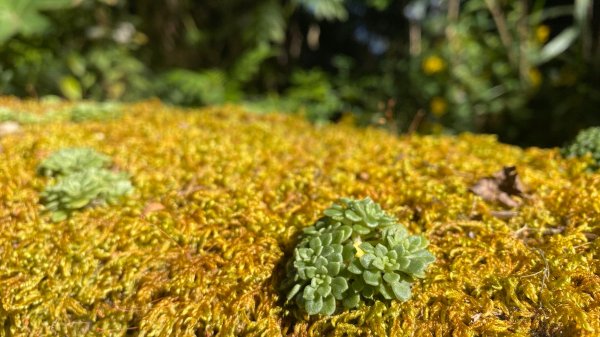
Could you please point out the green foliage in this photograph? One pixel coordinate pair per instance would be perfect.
(379, 4)
(104, 73)
(71, 160)
(248, 66)
(481, 68)
(188, 88)
(23, 117)
(84, 188)
(322, 97)
(326, 9)
(7, 115)
(81, 180)
(22, 16)
(268, 24)
(312, 91)
(76, 54)
(502, 66)
(587, 142)
(356, 253)
(94, 112)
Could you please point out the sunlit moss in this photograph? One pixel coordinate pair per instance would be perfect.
(221, 196)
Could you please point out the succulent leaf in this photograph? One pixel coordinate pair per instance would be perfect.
(351, 301)
(366, 260)
(309, 293)
(328, 306)
(383, 290)
(368, 291)
(358, 285)
(360, 229)
(391, 277)
(354, 267)
(401, 290)
(314, 306)
(339, 285)
(333, 268)
(378, 263)
(293, 292)
(348, 252)
(315, 243)
(372, 278)
(325, 239)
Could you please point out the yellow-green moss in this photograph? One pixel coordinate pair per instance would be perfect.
(199, 249)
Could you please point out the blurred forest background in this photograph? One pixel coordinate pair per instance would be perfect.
(527, 70)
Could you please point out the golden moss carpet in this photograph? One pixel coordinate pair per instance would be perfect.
(220, 195)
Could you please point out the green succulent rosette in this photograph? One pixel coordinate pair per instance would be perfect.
(587, 142)
(85, 188)
(71, 160)
(355, 254)
(81, 179)
(84, 112)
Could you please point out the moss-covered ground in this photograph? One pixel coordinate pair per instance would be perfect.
(220, 196)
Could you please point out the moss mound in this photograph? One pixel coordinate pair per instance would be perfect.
(220, 197)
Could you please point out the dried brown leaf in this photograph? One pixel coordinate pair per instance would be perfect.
(501, 187)
(8, 128)
(152, 207)
(362, 176)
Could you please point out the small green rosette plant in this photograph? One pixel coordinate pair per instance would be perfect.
(355, 254)
(84, 112)
(72, 160)
(587, 142)
(82, 179)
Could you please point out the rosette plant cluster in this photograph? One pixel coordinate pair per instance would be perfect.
(587, 142)
(71, 160)
(82, 178)
(94, 112)
(355, 254)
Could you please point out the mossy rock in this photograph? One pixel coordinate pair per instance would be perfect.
(221, 195)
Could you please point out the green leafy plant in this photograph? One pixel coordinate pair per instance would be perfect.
(355, 254)
(23, 117)
(94, 112)
(587, 142)
(71, 160)
(189, 88)
(24, 16)
(85, 188)
(82, 180)
(7, 115)
(496, 66)
(86, 58)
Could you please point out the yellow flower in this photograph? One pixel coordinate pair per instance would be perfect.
(542, 33)
(438, 106)
(359, 252)
(535, 77)
(433, 64)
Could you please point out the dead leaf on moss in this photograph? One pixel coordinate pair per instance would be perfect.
(501, 187)
(8, 128)
(363, 176)
(152, 207)
(504, 215)
(191, 187)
